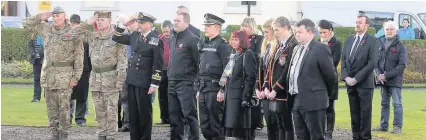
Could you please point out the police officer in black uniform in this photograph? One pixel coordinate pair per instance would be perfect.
(36, 59)
(214, 53)
(143, 73)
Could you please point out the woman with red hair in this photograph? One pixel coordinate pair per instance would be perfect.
(237, 84)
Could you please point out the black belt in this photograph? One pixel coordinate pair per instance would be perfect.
(104, 69)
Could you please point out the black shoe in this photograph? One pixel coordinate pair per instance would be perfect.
(124, 129)
(35, 100)
(379, 128)
(162, 122)
(81, 124)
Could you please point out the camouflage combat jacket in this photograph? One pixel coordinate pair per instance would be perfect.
(109, 61)
(63, 53)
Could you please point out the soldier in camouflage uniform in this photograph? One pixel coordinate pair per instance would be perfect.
(62, 66)
(109, 63)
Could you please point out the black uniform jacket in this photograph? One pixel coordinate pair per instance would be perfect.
(146, 60)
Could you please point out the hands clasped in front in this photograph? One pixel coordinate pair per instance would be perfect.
(266, 93)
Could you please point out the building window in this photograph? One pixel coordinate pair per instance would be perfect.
(100, 5)
(235, 7)
(9, 8)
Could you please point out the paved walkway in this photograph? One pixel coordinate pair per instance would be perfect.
(89, 133)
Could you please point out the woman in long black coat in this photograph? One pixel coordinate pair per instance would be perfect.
(250, 27)
(239, 88)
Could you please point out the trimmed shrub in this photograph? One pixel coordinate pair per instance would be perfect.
(14, 44)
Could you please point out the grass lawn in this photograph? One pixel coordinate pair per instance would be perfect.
(414, 124)
(18, 110)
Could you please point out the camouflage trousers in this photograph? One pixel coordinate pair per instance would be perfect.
(106, 108)
(58, 106)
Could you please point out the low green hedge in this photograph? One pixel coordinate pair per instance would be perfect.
(14, 44)
(14, 47)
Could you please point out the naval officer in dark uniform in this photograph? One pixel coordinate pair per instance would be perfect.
(214, 53)
(144, 73)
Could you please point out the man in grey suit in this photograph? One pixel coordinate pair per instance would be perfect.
(359, 58)
(311, 82)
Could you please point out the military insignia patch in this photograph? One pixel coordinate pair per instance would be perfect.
(154, 41)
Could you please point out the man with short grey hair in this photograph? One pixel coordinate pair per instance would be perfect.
(389, 75)
(62, 66)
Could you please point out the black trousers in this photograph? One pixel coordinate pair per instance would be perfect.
(285, 125)
(360, 107)
(211, 112)
(123, 106)
(37, 72)
(330, 118)
(80, 110)
(309, 125)
(271, 121)
(140, 109)
(182, 109)
(163, 98)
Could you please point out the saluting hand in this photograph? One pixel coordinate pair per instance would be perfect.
(45, 15)
(93, 19)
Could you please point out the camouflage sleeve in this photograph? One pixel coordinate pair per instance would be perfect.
(121, 66)
(78, 60)
(84, 31)
(35, 24)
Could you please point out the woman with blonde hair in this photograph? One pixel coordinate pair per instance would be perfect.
(250, 27)
(275, 87)
(269, 43)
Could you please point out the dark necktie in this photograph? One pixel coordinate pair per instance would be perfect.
(352, 56)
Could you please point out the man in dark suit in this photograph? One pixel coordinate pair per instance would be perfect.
(359, 58)
(328, 38)
(311, 82)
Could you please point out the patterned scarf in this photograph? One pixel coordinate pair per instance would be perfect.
(228, 69)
